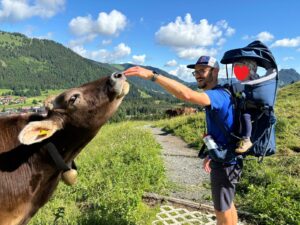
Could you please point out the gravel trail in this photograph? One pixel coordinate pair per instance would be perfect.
(183, 167)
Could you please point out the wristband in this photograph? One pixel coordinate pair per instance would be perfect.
(154, 76)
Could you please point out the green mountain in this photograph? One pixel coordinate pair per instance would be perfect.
(30, 63)
(34, 63)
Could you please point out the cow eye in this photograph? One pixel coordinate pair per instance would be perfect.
(73, 99)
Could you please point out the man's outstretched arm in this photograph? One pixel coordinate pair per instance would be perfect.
(177, 89)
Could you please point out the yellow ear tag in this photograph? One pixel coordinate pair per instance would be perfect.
(44, 132)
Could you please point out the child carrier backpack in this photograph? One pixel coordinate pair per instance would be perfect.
(258, 95)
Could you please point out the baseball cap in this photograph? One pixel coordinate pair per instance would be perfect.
(206, 61)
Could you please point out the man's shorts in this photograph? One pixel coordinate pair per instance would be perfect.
(223, 181)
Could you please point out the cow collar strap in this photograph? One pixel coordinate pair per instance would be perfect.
(56, 156)
(69, 175)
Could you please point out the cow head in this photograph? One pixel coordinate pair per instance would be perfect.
(88, 107)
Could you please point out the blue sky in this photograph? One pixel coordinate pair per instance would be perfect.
(164, 34)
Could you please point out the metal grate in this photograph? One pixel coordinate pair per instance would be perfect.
(179, 216)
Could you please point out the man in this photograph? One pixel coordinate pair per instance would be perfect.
(224, 176)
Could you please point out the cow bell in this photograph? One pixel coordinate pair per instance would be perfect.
(69, 177)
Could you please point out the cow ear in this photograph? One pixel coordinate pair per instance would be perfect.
(38, 131)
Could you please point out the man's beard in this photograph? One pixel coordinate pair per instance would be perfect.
(207, 80)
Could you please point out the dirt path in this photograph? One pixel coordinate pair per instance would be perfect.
(183, 167)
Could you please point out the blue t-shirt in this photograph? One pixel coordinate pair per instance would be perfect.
(222, 103)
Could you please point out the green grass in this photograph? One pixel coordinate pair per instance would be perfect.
(6, 38)
(288, 119)
(115, 169)
(4, 90)
(144, 94)
(189, 128)
(271, 191)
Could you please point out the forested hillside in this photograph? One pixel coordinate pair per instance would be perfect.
(34, 63)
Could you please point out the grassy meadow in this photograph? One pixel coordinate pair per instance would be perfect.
(29, 101)
(115, 169)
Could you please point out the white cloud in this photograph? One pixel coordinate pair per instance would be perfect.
(110, 24)
(221, 42)
(170, 63)
(286, 42)
(105, 24)
(265, 36)
(49, 36)
(103, 55)
(29, 30)
(230, 31)
(183, 73)
(139, 59)
(288, 58)
(81, 25)
(188, 38)
(195, 53)
(17, 10)
(82, 40)
(80, 50)
(247, 37)
(106, 42)
(187, 33)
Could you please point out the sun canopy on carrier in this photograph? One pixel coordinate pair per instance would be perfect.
(256, 51)
(264, 88)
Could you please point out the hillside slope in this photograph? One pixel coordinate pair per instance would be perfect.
(30, 62)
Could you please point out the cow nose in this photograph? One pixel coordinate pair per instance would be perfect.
(117, 76)
(117, 80)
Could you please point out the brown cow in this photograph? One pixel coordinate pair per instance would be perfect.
(180, 111)
(28, 176)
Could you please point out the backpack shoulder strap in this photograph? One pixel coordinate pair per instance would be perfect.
(223, 127)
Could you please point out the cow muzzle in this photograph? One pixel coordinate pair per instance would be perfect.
(119, 84)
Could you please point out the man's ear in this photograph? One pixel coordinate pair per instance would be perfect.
(38, 131)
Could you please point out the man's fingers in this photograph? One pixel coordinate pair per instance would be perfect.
(131, 71)
(129, 74)
(207, 168)
(206, 165)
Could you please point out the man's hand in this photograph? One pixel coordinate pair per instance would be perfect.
(139, 71)
(206, 165)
